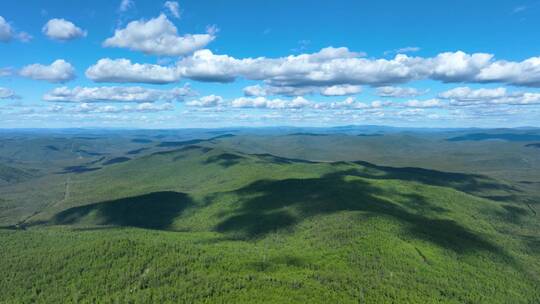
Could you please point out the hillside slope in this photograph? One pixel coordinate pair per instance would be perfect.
(9, 175)
(207, 224)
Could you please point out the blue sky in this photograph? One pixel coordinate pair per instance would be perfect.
(170, 64)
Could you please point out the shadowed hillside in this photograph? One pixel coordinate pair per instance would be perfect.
(154, 210)
(279, 204)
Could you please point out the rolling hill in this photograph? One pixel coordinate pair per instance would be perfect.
(10, 175)
(203, 222)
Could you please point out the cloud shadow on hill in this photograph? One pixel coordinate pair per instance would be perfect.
(469, 183)
(156, 210)
(271, 205)
(225, 160)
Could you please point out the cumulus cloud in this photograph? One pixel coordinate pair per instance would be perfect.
(465, 96)
(151, 107)
(381, 104)
(122, 71)
(7, 33)
(63, 30)
(468, 94)
(291, 91)
(411, 112)
(300, 70)
(399, 92)
(258, 90)
(255, 90)
(206, 101)
(337, 90)
(6, 93)
(328, 67)
(203, 65)
(158, 36)
(263, 102)
(116, 94)
(331, 71)
(524, 73)
(111, 109)
(457, 66)
(339, 66)
(58, 72)
(430, 103)
(341, 90)
(173, 8)
(350, 103)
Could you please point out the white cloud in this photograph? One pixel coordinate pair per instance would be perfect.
(262, 102)
(468, 94)
(341, 90)
(158, 36)
(328, 67)
(59, 71)
(524, 73)
(381, 104)
(524, 99)
(399, 92)
(333, 69)
(348, 103)
(203, 65)
(125, 5)
(122, 71)
(430, 103)
(465, 96)
(339, 66)
(116, 94)
(255, 90)
(6, 93)
(7, 33)
(151, 107)
(173, 8)
(411, 112)
(338, 90)
(63, 30)
(258, 90)
(457, 66)
(294, 71)
(206, 101)
(110, 109)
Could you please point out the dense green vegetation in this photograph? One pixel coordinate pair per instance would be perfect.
(227, 221)
(10, 175)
